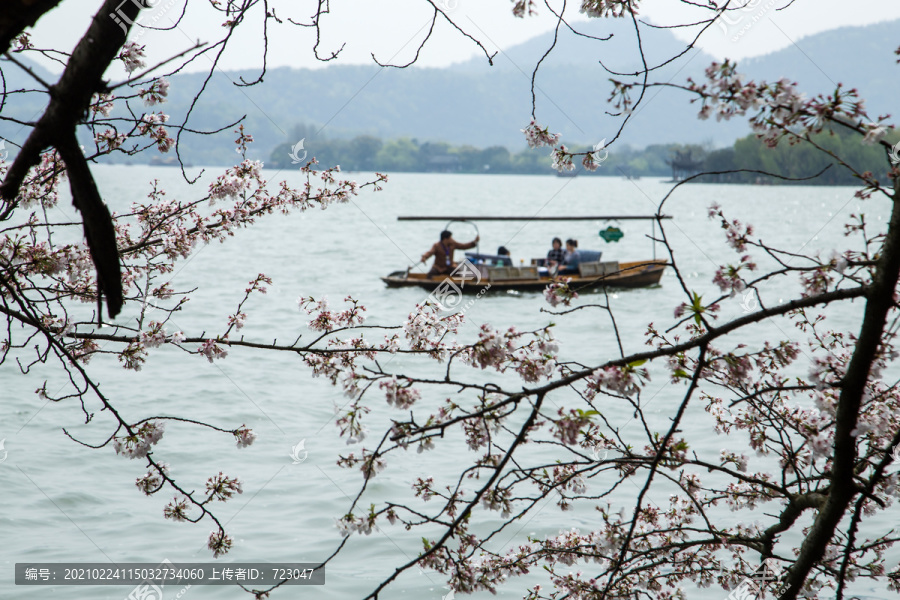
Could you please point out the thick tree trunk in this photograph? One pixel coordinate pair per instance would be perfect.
(69, 101)
(19, 14)
(843, 489)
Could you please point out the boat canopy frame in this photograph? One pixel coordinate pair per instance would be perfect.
(466, 221)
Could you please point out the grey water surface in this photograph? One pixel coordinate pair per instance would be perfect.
(64, 502)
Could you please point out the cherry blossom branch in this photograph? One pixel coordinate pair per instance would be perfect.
(852, 386)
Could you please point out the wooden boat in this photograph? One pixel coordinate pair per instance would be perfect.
(497, 279)
(480, 273)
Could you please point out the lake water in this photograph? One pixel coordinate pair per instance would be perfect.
(64, 502)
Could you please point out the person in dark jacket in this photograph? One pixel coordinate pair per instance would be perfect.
(557, 255)
(442, 252)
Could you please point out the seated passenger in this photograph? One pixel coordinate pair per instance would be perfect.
(557, 255)
(570, 262)
(505, 260)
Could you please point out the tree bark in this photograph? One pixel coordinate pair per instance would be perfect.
(70, 98)
(96, 220)
(879, 302)
(19, 14)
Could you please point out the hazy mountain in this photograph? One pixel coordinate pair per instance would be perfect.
(474, 103)
(859, 57)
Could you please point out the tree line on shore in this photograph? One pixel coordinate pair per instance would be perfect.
(749, 153)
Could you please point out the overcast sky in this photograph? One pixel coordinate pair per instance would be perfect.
(393, 29)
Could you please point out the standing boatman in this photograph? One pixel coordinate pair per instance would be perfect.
(442, 252)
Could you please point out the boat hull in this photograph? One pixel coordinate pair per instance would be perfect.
(635, 274)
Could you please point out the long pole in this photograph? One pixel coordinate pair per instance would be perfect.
(555, 218)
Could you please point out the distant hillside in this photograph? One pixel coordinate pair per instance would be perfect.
(473, 103)
(859, 57)
(369, 153)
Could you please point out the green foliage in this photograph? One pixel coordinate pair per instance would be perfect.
(800, 160)
(369, 153)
